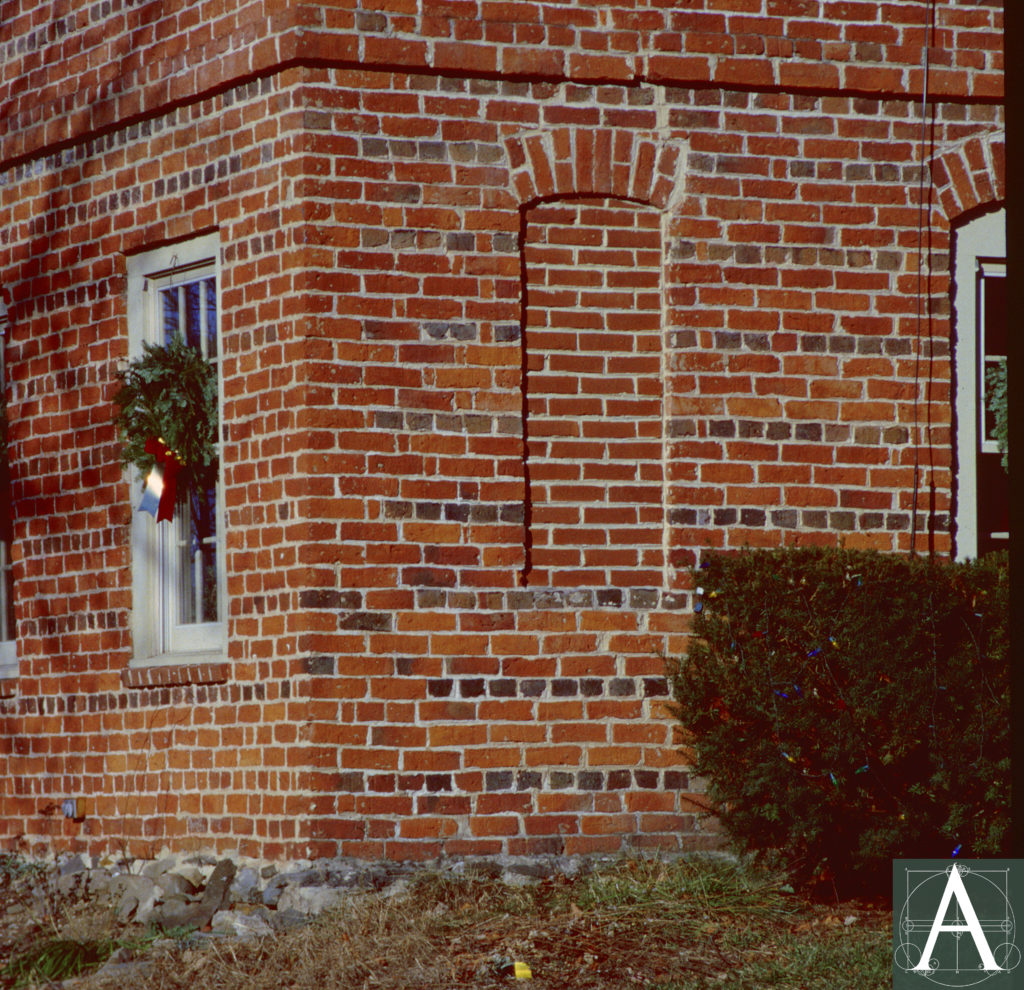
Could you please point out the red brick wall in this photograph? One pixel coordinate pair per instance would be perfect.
(408, 675)
(161, 755)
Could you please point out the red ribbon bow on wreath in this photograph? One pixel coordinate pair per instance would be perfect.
(158, 497)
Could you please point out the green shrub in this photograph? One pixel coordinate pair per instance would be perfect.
(849, 707)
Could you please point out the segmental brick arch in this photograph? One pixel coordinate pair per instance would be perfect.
(603, 161)
(593, 205)
(971, 174)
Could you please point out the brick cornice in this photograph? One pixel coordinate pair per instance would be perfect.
(81, 80)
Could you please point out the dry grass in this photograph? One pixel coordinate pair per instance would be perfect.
(670, 926)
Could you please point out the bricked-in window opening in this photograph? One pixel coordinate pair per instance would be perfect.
(593, 387)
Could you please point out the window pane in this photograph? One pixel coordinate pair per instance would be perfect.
(989, 368)
(168, 314)
(190, 308)
(210, 286)
(193, 337)
(996, 341)
(992, 344)
(196, 548)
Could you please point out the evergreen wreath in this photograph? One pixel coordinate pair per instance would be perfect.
(170, 393)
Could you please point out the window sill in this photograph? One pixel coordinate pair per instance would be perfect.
(175, 674)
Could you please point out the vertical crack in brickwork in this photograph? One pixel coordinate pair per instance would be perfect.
(524, 297)
(667, 569)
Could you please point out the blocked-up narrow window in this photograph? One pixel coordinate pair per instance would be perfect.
(593, 394)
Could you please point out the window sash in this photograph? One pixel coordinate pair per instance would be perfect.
(185, 304)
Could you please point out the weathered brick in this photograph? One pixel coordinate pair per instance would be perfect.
(714, 348)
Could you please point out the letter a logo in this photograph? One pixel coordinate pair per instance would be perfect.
(955, 888)
(954, 924)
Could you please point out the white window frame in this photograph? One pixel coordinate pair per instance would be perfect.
(980, 244)
(157, 638)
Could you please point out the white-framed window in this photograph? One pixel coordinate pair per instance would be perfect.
(178, 586)
(983, 491)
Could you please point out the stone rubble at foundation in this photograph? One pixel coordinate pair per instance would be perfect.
(233, 897)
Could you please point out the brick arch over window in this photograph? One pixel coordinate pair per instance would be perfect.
(971, 174)
(602, 161)
(594, 202)
(970, 186)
